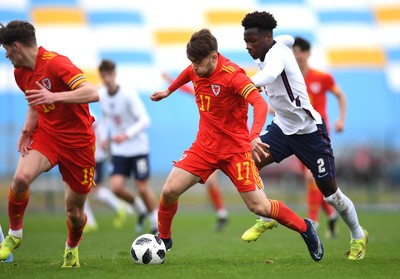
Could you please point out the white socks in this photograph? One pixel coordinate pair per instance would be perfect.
(153, 219)
(345, 207)
(139, 206)
(107, 197)
(91, 221)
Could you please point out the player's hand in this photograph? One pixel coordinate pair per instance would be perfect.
(104, 145)
(258, 148)
(159, 95)
(339, 126)
(119, 138)
(24, 144)
(40, 96)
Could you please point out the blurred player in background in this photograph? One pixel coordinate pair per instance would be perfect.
(297, 128)
(223, 94)
(318, 85)
(57, 131)
(124, 112)
(101, 192)
(212, 185)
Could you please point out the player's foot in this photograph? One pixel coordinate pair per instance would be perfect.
(8, 245)
(90, 228)
(167, 242)
(331, 233)
(10, 259)
(255, 231)
(71, 258)
(221, 222)
(311, 238)
(154, 231)
(120, 217)
(358, 248)
(140, 223)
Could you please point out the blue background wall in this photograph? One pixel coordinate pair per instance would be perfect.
(357, 41)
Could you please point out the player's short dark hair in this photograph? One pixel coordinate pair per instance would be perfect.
(201, 44)
(261, 20)
(107, 65)
(302, 43)
(17, 31)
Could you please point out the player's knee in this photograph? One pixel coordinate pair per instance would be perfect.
(21, 181)
(75, 217)
(169, 194)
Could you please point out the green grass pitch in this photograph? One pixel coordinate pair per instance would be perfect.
(200, 252)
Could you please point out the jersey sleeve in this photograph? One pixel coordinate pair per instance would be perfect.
(273, 67)
(248, 91)
(65, 70)
(329, 81)
(139, 111)
(183, 78)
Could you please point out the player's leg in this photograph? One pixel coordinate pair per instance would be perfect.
(215, 196)
(178, 181)
(346, 209)
(91, 224)
(314, 196)
(77, 168)
(262, 224)
(76, 221)
(121, 170)
(332, 218)
(315, 151)
(247, 181)
(29, 167)
(141, 169)
(106, 196)
(277, 151)
(315, 200)
(149, 199)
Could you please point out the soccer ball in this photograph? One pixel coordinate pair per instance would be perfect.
(148, 249)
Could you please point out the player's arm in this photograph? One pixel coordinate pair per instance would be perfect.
(185, 88)
(139, 111)
(260, 111)
(337, 91)
(273, 68)
(183, 78)
(104, 131)
(31, 122)
(84, 92)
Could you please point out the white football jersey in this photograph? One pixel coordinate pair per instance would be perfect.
(125, 113)
(286, 89)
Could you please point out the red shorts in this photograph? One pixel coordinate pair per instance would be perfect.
(239, 167)
(76, 165)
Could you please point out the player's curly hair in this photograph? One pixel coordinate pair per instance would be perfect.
(260, 20)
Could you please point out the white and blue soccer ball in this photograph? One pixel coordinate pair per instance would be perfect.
(148, 249)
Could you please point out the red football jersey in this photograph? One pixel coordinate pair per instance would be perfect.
(223, 109)
(68, 124)
(318, 83)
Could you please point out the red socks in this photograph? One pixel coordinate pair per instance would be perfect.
(17, 204)
(287, 217)
(166, 212)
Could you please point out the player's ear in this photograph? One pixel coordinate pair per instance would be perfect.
(214, 57)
